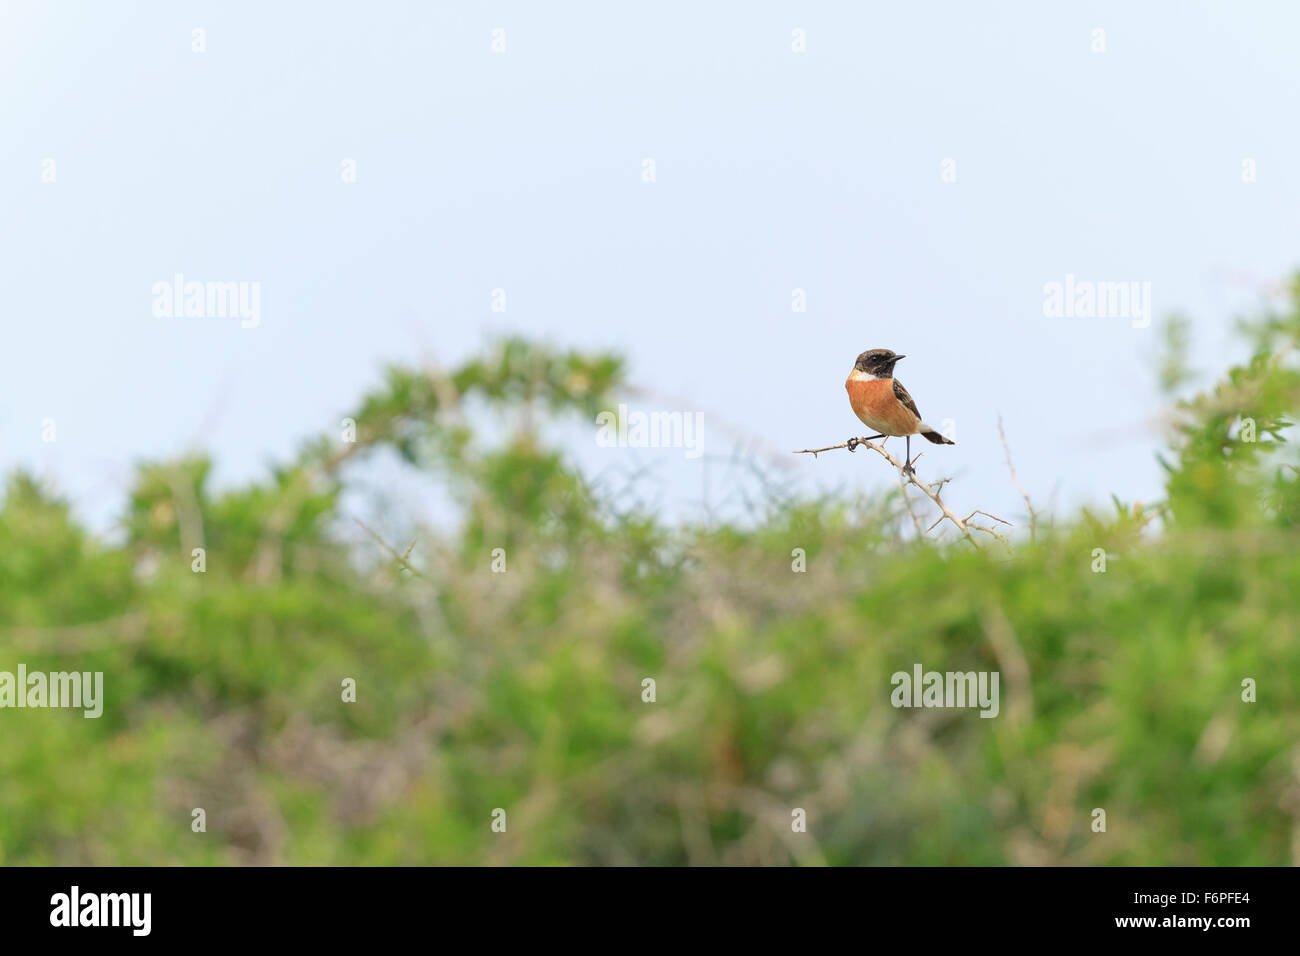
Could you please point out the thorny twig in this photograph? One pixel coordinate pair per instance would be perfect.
(907, 503)
(932, 492)
(1033, 515)
(400, 558)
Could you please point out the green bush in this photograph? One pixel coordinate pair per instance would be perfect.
(522, 690)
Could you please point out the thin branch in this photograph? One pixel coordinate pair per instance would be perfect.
(400, 558)
(930, 492)
(129, 628)
(1033, 515)
(817, 451)
(907, 502)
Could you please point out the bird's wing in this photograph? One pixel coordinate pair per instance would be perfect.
(900, 393)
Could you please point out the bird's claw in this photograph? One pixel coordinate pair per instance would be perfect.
(853, 444)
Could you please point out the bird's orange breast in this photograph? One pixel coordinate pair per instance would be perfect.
(874, 402)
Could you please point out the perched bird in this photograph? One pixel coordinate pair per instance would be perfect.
(883, 405)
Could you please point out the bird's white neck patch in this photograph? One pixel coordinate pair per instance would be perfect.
(857, 375)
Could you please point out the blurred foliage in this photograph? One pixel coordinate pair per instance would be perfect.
(1174, 351)
(522, 690)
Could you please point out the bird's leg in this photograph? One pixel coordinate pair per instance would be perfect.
(855, 442)
(907, 468)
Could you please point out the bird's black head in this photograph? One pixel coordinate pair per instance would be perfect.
(879, 362)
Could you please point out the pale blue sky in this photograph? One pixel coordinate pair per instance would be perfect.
(522, 170)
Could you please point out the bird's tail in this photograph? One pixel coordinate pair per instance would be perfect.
(929, 434)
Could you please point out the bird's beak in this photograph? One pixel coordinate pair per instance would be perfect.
(898, 358)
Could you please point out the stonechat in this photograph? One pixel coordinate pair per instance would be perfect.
(883, 405)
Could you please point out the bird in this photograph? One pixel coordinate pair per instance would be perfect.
(883, 405)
